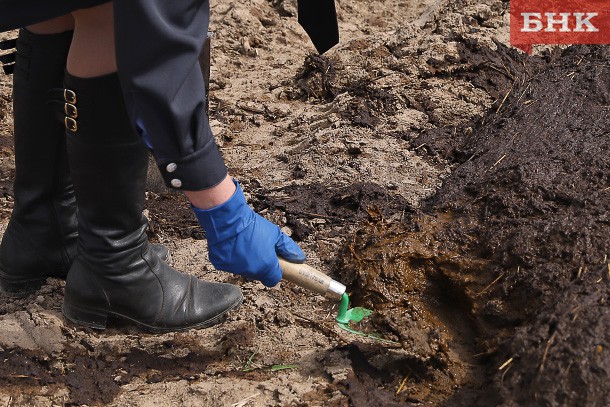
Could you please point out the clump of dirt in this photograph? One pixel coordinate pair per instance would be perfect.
(304, 206)
(515, 241)
(315, 79)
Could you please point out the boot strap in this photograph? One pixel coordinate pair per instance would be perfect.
(8, 44)
(8, 60)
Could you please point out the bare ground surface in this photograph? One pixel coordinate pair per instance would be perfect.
(459, 189)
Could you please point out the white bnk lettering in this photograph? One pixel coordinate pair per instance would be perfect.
(532, 22)
(529, 20)
(563, 20)
(580, 22)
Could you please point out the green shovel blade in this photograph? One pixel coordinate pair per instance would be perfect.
(356, 314)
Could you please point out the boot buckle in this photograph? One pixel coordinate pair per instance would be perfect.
(70, 96)
(70, 110)
(70, 124)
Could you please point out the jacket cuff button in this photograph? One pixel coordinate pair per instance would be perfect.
(176, 183)
(171, 167)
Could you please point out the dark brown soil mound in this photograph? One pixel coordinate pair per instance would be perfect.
(516, 241)
(533, 201)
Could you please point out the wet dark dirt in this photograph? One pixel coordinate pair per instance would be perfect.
(337, 206)
(315, 79)
(501, 283)
(169, 214)
(533, 203)
(397, 270)
(94, 375)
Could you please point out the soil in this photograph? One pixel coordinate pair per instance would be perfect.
(458, 187)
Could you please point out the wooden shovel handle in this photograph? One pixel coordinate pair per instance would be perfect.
(308, 277)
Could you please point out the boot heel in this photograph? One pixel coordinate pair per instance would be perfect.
(88, 318)
(19, 289)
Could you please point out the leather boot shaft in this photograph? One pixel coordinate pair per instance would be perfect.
(40, 240)
(109, 163)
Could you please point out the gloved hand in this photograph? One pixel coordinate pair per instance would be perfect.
(243, 242)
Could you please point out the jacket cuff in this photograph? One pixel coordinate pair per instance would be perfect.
(201, 170)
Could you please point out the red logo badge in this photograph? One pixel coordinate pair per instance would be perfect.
(559, 22)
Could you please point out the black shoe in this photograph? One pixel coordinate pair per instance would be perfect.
(115, 273)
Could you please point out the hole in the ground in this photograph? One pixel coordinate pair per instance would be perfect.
(400, 274)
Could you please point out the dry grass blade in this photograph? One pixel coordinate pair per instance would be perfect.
(490, 284)
(497, 162)
(402, 384)
(245, 401)
(508, 362)
(504, 374)
(546, 351)
(504, 100)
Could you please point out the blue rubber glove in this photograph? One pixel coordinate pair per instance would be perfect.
(243, 242)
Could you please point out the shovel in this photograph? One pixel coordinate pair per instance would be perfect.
(319, 20)
(314, 280)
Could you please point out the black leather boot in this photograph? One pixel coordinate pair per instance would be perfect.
(40, 240)
(115, 272)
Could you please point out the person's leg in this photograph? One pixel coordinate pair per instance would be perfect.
(93, 52)
(54, 26)
(115, 273)
(40, 239)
